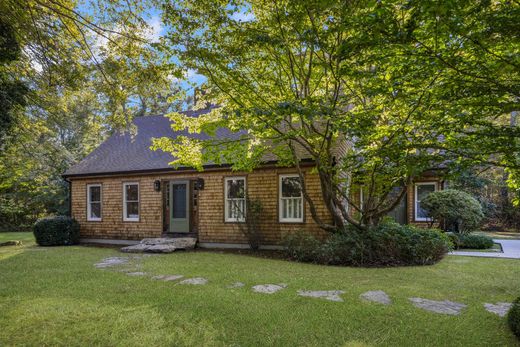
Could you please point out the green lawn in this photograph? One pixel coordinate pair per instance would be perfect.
(504, 235)
(55, 296)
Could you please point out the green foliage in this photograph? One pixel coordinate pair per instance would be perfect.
(302, 246)
(456, 210)
(513, 318)
(89, 74)
(56, 231)
(416, 85)
(388, 244)
(12, 90)
(252, 219)
(471, 241)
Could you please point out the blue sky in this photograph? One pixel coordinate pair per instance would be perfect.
(157, 29)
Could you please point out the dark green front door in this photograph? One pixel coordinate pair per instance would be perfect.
(179, 206)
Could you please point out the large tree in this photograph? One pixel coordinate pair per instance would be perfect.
(88, 70)
(407, 86)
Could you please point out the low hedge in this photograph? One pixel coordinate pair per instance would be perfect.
(471, 241)
(513, 318)
(56, 231)
(388, 244)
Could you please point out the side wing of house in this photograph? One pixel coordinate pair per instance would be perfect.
(409, 210)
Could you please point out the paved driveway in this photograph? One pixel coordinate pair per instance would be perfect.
(511, 249)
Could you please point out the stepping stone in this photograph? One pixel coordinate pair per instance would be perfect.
(136, 273)
(112, 261)
(269, 288)
(376, 296)
(331, 295)
(445, 307)
(167, 277)
(500, 308)
(195, 281)
(11, 243)
(236, 285)
(161, 245)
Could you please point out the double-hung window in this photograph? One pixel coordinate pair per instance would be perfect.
(291, 199)
(131, 202)
(422, 190)
(235, 196)
(94, 202)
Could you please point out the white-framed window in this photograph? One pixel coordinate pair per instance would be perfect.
(422, 190)
(235, 199)
(94, 204)
(291, 199)
(131, 201)
(361, 198)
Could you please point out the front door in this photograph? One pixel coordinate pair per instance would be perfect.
(179, 206)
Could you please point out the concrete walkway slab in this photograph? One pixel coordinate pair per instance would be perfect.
(510, 250)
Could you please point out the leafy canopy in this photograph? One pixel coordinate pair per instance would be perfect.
(375, 92)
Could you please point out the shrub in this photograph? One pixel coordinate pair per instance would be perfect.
(387, 244)
(476, 241)
(302, 246)
(251, 226)
(55, 231)
(471, 241)
(513, 318)
(457, 211)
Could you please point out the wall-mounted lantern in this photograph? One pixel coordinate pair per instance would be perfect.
(199, 184)
(157, 186)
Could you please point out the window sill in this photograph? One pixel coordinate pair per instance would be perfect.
(286, 221)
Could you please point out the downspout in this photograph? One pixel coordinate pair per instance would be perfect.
(70, 196)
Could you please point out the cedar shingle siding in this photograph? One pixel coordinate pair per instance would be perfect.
(262, 184)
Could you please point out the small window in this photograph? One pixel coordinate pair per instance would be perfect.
(235, 196)
(94, 202)
(291, 199)
(131, 202)
(422, 190)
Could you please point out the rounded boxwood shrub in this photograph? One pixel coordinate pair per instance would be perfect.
(456, 210)
(388, 244)
(513, 318)
(56, 231)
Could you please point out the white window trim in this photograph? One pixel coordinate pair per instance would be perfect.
(416, 202)
(131, 219)
(226, 199)
(89, 207)
(280, 197)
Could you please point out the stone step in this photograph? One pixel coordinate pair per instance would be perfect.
(161, 245)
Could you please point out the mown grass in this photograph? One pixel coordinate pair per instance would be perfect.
(501, 235)
(55, 296)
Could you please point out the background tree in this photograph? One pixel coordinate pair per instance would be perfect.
(12, 90)
(89, 70)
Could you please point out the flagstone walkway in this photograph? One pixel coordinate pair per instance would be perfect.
(131, 268)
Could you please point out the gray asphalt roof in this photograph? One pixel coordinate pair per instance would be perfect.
(124, 152)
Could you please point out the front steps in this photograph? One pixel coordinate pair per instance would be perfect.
(161, 245)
